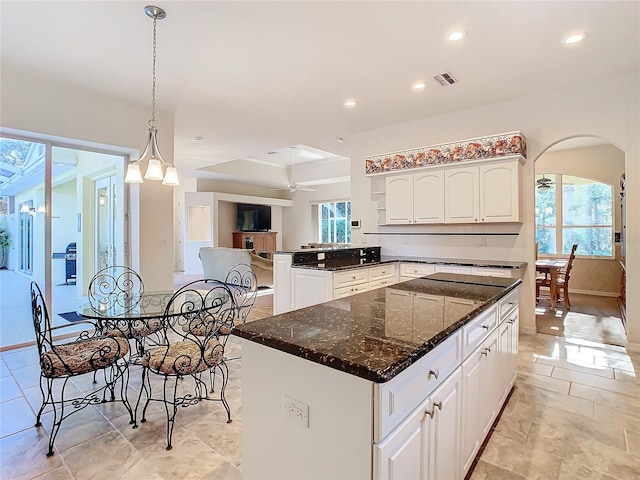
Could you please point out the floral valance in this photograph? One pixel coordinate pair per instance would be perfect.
(494, 146)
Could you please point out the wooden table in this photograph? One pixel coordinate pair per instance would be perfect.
(552, 267)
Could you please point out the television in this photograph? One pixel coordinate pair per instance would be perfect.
(253, 218)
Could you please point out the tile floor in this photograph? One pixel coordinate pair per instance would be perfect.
(574, 414)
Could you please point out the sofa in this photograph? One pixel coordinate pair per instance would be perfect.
(218, 261)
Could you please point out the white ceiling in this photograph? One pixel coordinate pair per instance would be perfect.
(256, 77)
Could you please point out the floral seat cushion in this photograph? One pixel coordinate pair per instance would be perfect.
(183, 358)
(135, 328)
(83, 356)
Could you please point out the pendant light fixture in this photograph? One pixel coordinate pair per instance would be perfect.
(155, 162)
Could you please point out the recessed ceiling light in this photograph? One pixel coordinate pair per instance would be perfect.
(417, 86)
(574, 38)
(340, 139)
(455, 36)
(350, 103)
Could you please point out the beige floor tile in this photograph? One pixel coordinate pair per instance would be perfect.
(591, 369)
(61, 473)
(486, 471)
(610, 384)
(27, 377)
(15, 416)
(545, 382)
(633, 442)
(4, 370)
(547, 398)
(23, 455)
(79, 427)
(626, 376)
(534, 367)
(574, 471)
(20, 358)
(9, 389)
(611, 414)
(619, 401)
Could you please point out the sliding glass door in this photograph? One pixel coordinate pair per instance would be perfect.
(65, 220)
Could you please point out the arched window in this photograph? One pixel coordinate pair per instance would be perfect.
(570, 210)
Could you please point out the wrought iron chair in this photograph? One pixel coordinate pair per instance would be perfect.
(121, 289)
(193, 345)
(88, 353)
(243, 282)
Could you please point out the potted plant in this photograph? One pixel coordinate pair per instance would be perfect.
(5, 243)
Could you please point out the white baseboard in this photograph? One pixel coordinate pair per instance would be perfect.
(595, 293)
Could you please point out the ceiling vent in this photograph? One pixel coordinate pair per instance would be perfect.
(445, 79)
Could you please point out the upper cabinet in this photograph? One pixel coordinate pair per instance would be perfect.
(485, 192)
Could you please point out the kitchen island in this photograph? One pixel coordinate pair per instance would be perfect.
(402, 381)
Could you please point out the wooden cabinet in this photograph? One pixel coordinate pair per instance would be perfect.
(261, 242)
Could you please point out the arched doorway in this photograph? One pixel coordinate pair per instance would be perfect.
(577, 200)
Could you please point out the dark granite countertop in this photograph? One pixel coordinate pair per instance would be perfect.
(378, 334)
(348, 263)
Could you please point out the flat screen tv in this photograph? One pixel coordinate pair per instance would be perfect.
(253, 218)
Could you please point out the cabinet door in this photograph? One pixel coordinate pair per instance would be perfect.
(444, 439)
(471, 408)
(461, 203)
(401, 456)
(428, 197)
(310, 287)
(399, 199)
(499, 192)
(269, 244)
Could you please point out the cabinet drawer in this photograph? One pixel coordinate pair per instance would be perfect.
(507, 304)
(350, 277)
(453, 269)
(351, 290)
(415, 270)
(474, 332)
(492, 272)
(383, 282)
(383, 271)
(395, 399)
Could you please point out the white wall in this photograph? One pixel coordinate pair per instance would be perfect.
(609, 109)
(34, 104)
(298, 221)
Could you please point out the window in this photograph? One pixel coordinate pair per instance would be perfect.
(334, 222)
(570, 210)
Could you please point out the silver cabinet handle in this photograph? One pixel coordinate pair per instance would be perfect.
(488, 350)
(486, 327)
(484, 352)
(437, 404)
(431, 412)
(435, 373)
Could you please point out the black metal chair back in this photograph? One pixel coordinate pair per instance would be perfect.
(243, 282)
(115, 288)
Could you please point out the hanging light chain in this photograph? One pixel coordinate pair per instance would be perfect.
(152, 122)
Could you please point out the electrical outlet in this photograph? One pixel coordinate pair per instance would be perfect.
(321, 256)
(296, 411)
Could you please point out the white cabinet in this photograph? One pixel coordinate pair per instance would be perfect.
(383, 275)
(479, 406)
(428, 197)
(453, 269)
(462, 203)
(499, 192)
(415, 198)
(415, 270)
(484, 193)
(310, 287)
(399, 199)
(426, 444)
(492, 272)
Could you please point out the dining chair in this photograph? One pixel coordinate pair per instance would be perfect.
(120, 289)
(562, 280)
(192, 346)
(60, 362)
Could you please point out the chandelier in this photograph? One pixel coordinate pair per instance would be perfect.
(151, 151)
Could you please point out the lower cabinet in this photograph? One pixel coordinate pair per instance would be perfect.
(480, 400)
(426, 444)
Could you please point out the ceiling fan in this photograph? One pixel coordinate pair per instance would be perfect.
(293, 186)
(544, 183)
